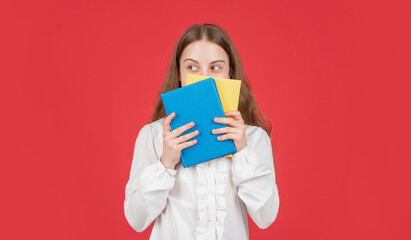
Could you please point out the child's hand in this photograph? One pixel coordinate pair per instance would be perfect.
(235, 129)
(173, 144)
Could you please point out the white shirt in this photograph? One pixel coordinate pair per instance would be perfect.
(206, 201)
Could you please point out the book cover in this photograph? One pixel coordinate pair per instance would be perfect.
(199, 103)
(228, 90)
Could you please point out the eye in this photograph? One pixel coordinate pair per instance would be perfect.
(192, 67)
(215, 66)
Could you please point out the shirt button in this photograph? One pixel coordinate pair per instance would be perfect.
(211, 219)
(210, 192)
(209, 164)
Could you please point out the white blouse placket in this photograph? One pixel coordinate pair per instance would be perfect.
(211, 201)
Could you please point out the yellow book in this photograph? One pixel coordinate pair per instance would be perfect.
(228, 90)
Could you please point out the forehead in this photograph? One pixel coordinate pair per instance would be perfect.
(204, 51)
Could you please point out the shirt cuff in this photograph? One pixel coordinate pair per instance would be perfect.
(161, 168)
(240, 154)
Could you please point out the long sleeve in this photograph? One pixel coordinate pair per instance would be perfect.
(148, 186)
(254, 176)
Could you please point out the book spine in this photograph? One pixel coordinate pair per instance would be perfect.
(220, 105)
(163, 96)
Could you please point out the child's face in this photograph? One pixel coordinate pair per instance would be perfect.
(204, 58)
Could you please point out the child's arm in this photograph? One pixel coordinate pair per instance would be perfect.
(253, 174)
(149, 183)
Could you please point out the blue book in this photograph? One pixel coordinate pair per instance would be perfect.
(199, 103)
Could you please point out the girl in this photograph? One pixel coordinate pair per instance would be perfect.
(209, 200)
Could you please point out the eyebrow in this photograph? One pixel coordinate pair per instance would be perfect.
(210, 63)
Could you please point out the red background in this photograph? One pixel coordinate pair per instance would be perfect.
(79, 79)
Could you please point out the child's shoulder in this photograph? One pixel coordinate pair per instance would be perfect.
(252, 129)
(157, 123)
(156, 126)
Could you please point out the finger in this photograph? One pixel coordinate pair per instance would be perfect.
(166, 123)
(233, 136)
(228, 121)
(225, 130)
(177, 132)
(186, 137)
(184, 145)
(236, 114)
